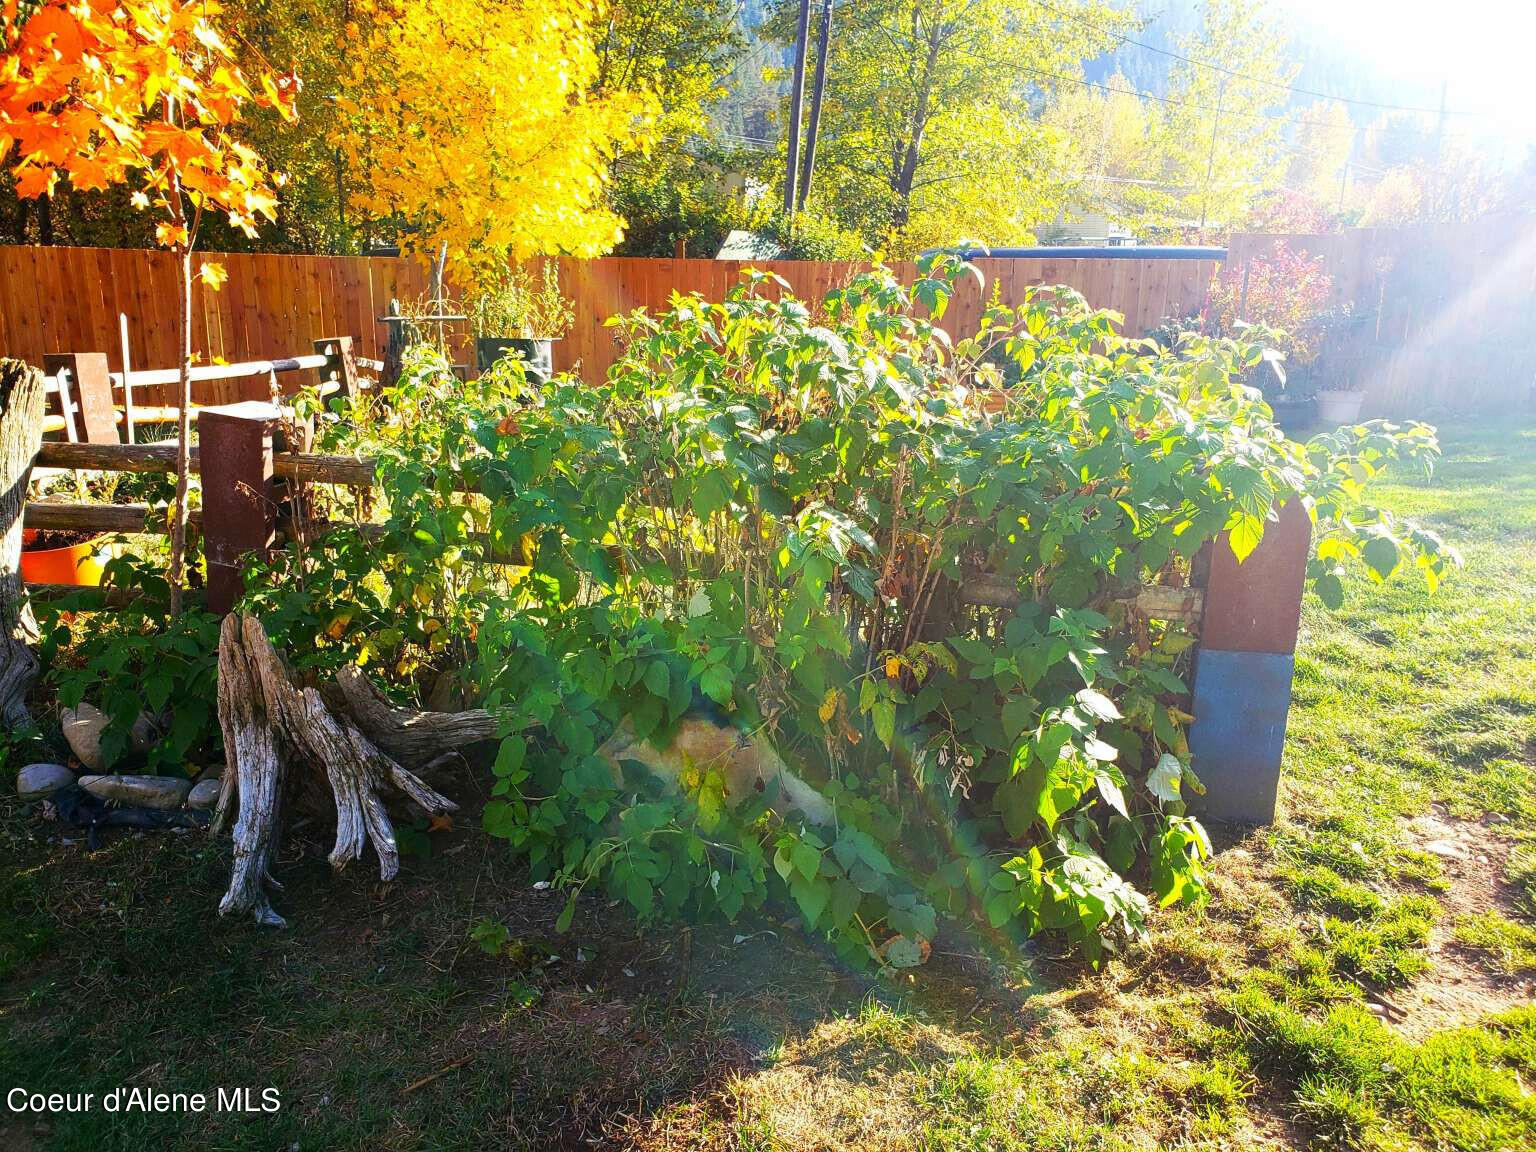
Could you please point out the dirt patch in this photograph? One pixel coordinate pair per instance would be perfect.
(1460, 987)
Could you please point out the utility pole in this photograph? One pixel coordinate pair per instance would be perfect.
(1210, 157)
(1344, 175)
(796, 98)
(818, 86)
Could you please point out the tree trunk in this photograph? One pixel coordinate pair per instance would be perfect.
(21, 431)
(176, 574)
(287, 745)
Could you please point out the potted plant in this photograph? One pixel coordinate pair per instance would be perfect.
(514, 312)
(75, 558)
(1340, 368)
(1338, 403)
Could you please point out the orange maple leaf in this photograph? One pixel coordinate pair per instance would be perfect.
(32, 180)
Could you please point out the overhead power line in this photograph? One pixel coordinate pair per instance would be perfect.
(1236, 75)
(1014, 65)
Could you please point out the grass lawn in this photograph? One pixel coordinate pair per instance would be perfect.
(1363, 977)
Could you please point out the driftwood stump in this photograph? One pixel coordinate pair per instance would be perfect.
(21, 431)
(291, 746)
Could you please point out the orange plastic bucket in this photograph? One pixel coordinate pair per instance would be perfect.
(79, 564)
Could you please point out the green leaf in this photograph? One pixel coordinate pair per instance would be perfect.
(658, 681)
(1098, 704)
(782, 864)
(717, 683)
(1096, 749)
(811, 896)
(710, 494)
(806, 859)
(563, 921)
(1330, 590)
(1065, 783)
(510, 756)
(1381, 556)
(903, 952)
(1111, 793)
(1245, 535)
(884, 713)
(1018, 714)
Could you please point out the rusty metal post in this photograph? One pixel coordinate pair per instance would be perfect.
(239, 497)
(90, 389)
(340, 364)
(1243, 669)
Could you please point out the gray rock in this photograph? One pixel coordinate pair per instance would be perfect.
(1450, 849)
(204, 794)
(142, 791)
(83, 727)
(39, 781)
(148, 731)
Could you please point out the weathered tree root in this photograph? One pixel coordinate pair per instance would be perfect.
(274, 730)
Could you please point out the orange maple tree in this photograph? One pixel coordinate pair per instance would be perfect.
(147, 93)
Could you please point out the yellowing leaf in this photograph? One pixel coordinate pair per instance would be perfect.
(211, 274)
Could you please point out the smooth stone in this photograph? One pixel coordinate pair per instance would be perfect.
(1450, 849)
(39, 781)
(204, 794)
(147, 731)
(140, 791)
(83, 727)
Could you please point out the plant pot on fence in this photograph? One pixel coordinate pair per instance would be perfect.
(62, 558)
(1339, 407)
(537, 354)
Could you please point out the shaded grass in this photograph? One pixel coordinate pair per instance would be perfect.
(1509, 944)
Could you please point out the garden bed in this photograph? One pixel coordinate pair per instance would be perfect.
(1242, 1024)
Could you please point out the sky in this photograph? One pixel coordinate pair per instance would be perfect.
(1481, 50)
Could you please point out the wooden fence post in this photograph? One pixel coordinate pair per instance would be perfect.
(239, 498)
(90, 389)
(340, 363)
(1243, 669)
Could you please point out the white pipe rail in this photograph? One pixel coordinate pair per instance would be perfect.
(150, 377)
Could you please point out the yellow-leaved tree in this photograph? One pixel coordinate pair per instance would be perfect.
(472, 124)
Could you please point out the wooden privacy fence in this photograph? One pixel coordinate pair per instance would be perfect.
(1444, 315)
(67, 300)
(1146, 291)
(56, 300)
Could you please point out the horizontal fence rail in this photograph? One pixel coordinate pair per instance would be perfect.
(981, 589)
(352, 471)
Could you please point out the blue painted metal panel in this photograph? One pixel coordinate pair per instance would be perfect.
(1241, 701)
